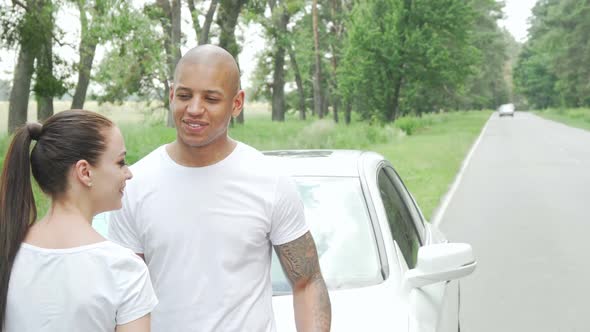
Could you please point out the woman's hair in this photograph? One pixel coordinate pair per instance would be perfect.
(64, 139)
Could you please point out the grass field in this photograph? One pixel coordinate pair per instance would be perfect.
(576, 117)
(427, 160)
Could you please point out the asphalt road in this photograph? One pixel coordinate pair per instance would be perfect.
(524, 205)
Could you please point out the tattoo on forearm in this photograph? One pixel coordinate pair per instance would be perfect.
(300, 262)
(299, 258)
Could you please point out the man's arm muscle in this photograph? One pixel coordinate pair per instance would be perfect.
(299, 260)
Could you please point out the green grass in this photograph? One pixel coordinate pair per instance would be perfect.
(575, 117)
(427, 160)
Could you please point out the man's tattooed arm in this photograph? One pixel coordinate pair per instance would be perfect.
(299, 260)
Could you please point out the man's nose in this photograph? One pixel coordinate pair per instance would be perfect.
(196, 107)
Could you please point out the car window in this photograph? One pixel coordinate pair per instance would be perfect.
(401, 224)
(406, 197)
(336, 211)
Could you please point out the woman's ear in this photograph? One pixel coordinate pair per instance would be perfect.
(83, 173)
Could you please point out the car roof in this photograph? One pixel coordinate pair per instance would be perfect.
(322, 162)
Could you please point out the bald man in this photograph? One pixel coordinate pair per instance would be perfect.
(205, 210)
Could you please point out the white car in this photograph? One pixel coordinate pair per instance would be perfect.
(506, 110)
(386, 268)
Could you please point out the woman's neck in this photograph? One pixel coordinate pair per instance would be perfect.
(66, 225)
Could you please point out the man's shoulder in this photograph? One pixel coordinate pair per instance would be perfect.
(247, 151)
(258, 163)
(152, 162)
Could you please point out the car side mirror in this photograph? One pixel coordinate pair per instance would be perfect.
(441, 262)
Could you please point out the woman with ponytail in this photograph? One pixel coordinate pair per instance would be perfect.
(58, 273)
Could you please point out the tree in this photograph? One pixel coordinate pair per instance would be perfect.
(25, 66)
(170, 21)
(405, 56)
(280, 19)
(317, 77)
(487, 87)
(202, 32)
(227, 19)
(553, 68)
(534, 79)
(30, 25)
(47, 85)
(298, 82)
(95, 27)
(136, 64)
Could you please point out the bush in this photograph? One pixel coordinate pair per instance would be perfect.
(411, 124)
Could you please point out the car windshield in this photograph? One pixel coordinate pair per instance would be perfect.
(336, 212)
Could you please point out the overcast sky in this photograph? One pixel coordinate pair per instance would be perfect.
(516, 15)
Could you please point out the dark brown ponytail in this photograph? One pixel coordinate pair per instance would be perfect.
(17, 207)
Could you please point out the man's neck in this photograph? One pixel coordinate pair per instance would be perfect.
(200, 156)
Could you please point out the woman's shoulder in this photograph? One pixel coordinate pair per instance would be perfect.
(121, 258)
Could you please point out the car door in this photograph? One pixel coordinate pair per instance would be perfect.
(434, 307)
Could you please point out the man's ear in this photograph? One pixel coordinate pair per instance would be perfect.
(171, 93)
(83, 173)
(238, 103)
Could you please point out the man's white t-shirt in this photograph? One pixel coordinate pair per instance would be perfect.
(207, 234)
(91, 288)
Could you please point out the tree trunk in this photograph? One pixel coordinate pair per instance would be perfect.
(336, 31)
(175, 36)
(392, 113)
(171, 26)
(347, 114)
(87, 51)
(195, 16)
(299, 83)
(46, 86)
(204, 37)
(280, 20)
(335, 104)
(21, 88)
(317, 77)
(278, 85)
(202, 33)
(325, 102)
(227, 19)
(44, 107)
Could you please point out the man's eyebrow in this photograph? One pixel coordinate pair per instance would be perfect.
(122, 154)
(182, 88)
(214, 92)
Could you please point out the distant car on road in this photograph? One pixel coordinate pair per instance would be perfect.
(506, 110)
(386, 267)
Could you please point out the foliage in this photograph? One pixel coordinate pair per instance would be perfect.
(554, 67)
(488, 87)
(31, 28)
(384, 58)
(411, 124)
(136, 62)
(412, 56)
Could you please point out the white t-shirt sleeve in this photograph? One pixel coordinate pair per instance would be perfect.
(288, 217)
(137, 294)
(122, 227)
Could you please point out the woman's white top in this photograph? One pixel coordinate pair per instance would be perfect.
(91, 288)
